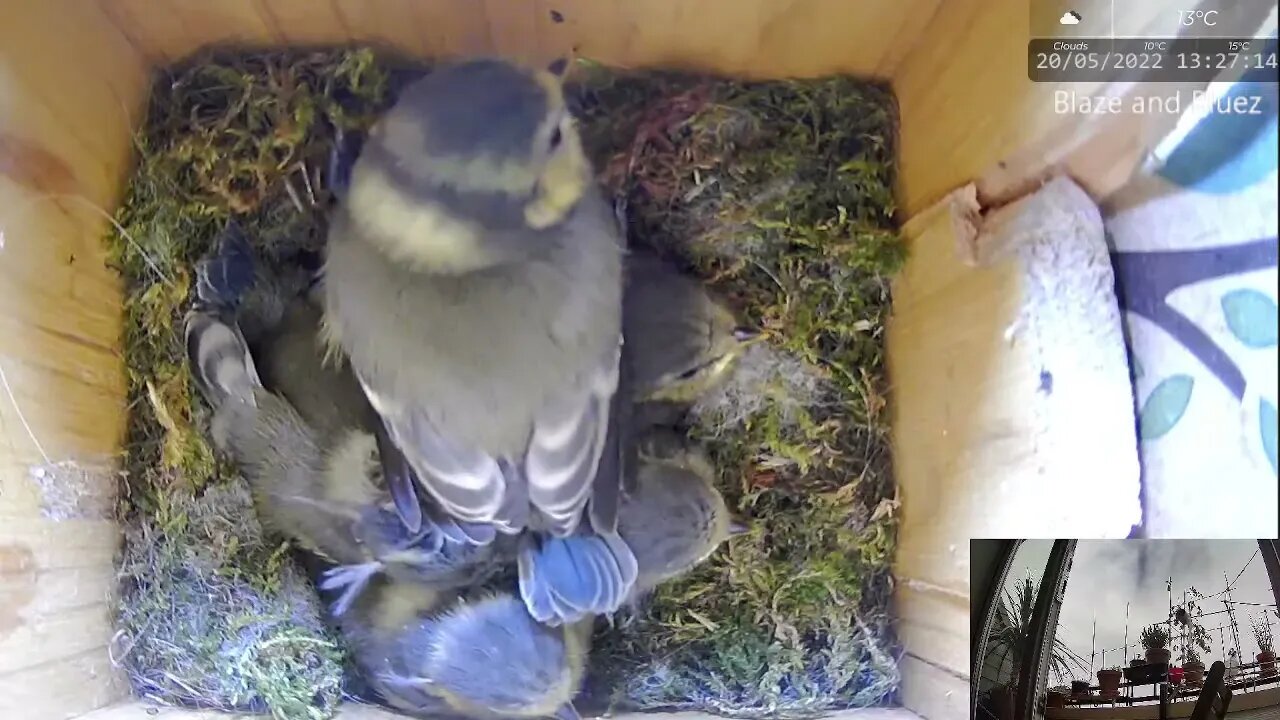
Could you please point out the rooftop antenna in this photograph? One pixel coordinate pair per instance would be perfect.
(1094, 653)
(1231, 615)
(1126, 633)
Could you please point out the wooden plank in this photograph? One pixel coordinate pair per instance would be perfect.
(61, 545)
(73, 91)
(512, 29)
(64, 689)
(45, 639)
(139, 710)
(455, 28)
(310, 22)
(758, 38)
(155, 29)
(72, 589)
(934, 624)
(87, 421)
(754, 38)
(389, 23)
(173, 29)
(933, 693)
(945, 355)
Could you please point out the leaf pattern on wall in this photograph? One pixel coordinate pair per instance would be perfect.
(1165, 406)
(1251, 317)
(1267, 426)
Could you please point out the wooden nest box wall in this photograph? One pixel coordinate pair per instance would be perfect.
(73, 81)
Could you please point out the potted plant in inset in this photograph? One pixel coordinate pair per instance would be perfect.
(1109, 682)
(1079, 689)
(1010, 634)
(1192, 640)
(1138, 670)
(1002, 701)
(1057, 697)
(1192, 668)
(1155, 638)
(1266, 651)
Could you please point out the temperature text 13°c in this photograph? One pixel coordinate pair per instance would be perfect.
(1198, 17)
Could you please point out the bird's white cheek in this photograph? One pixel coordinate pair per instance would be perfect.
(412, 230)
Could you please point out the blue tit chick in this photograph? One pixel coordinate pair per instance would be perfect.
(674, 518)
(311, 464)
(473, 281)
(682, 341)
(437, 656)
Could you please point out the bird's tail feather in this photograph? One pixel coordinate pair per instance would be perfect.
(226, 274)
(233, 280)
(219, 359)
(563, 580)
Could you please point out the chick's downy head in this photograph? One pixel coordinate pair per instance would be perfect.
(682, 340)
(675, 518)
(490, 657)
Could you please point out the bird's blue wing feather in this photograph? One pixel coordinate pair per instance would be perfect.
(564, 580)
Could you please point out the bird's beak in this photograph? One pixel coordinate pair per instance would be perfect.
(567, 712)
(558, 67)
(739, 527)
(746, 335)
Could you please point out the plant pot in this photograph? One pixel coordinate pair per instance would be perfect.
(1193, 672)
(1109, 680)
(1056, 699)
(1136, 662)
(1002, 702)
(1158, 655)
(1079, 689)
(1267, 663)
(1145, 673)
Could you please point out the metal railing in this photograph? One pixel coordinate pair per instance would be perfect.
(1247, 678)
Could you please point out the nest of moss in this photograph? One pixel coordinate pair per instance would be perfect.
(777, 194)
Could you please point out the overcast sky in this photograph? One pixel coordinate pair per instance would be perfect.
(1108, 573)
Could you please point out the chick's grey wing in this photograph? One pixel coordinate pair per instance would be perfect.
(569, 437)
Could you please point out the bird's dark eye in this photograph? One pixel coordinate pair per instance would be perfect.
(555, 138)
(688, 374)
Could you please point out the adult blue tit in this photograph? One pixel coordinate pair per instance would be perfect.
(473, 281)
(437, 655)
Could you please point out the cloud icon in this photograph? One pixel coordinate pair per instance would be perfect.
(1071, 17)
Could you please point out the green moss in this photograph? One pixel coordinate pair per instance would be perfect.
(215, 614)
(778, 194)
